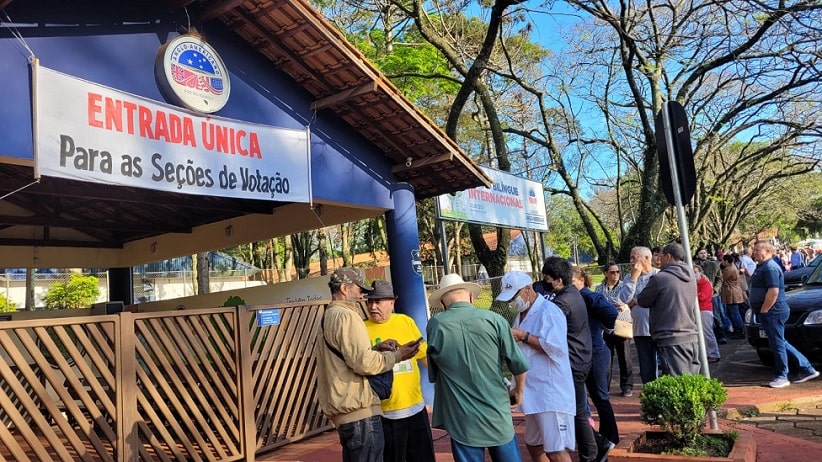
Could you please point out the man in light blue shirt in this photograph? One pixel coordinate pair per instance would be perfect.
(641, 272)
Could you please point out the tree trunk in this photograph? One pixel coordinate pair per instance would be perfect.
(201, 267)
(322, 237)
(345, 244)
(288, 262)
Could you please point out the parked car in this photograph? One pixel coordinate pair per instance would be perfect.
(803, 329)
(796, 277)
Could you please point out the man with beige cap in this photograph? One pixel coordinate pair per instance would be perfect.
(344, 360)
(467, 347)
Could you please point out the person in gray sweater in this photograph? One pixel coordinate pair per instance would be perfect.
(671, 298)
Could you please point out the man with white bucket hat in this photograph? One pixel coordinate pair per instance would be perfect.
(467, 348)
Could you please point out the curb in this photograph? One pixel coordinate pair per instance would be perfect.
(746, 412)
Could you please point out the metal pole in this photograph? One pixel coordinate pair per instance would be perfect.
(443, 238)
(683, 230)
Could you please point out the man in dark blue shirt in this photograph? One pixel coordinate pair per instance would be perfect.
(767, 297)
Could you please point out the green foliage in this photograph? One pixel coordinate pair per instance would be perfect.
(234, 300)
(7, 306)
(679, 404)
(79, 292)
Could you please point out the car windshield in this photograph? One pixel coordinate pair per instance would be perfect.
(815, 261)
(816, 276)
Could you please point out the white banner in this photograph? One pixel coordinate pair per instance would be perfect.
(89, 132)
(511, 202)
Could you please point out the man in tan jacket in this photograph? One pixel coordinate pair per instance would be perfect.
(344, 393)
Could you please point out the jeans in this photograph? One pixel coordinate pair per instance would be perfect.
(586, 441)
(646, 355)
(597, 383)
(708, 332)
(719, 313)
(732, 311)
(508, 452)
(363, 440)
(783, 352)
(621, 351)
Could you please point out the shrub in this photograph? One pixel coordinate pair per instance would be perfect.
(79, 292)
(7, 306)
(679, 404)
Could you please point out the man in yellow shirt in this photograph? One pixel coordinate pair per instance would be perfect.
(405, 419)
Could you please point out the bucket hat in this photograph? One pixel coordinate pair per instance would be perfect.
(381, 290)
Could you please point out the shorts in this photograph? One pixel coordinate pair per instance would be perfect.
(554, 431)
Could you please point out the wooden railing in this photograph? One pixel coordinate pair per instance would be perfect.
(200, 385)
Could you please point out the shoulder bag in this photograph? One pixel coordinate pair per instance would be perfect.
(380, 383)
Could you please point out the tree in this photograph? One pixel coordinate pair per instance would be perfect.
(747, 73)
(582, 121)
(304, 248)
(79, 292)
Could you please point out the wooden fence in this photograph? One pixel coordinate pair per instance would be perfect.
(192, 385)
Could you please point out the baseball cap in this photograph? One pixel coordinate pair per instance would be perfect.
(349, 275)
(511, 283)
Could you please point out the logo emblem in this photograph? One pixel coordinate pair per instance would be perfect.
(191, 74)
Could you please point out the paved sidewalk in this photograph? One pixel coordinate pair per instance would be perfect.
(786, 423)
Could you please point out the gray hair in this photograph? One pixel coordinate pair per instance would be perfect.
(643, 252)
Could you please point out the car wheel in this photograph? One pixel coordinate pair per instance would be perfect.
(765, 356)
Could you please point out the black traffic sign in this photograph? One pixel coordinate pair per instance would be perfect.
(682, 153)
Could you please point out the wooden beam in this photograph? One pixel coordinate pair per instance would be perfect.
(55, 222)
(344, 95)
(217, 9)
(61, 243)
(421, 163)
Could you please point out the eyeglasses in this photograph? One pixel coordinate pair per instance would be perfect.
(613, 272)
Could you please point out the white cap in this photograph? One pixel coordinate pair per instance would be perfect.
(512, 282)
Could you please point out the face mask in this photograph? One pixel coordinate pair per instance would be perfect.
(519, 304)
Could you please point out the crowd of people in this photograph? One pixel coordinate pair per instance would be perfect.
(560, 352)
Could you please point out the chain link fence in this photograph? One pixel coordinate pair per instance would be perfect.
(491, 287)
(148, 286)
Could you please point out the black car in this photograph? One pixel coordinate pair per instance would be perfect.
(803, 329)
(796, 277)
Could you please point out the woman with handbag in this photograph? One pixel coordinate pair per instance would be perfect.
(619, 341)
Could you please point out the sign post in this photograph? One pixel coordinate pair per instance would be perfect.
(678, 181)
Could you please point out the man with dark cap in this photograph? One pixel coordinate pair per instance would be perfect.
(344, 360)
(405, 423)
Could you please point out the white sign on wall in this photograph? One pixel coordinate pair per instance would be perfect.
(89, 132)
(512, 202)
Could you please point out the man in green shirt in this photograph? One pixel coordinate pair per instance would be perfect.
(466, 350)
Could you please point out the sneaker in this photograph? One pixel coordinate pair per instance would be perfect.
(781, 382)
(806, 377)
(605, 447)
(627, 393)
